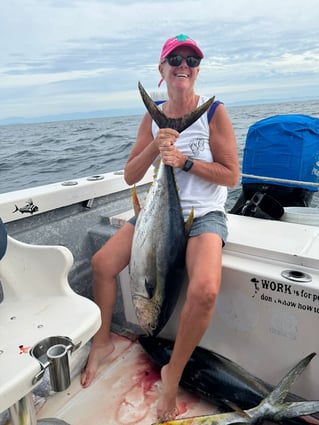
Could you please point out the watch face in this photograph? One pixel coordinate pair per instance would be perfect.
(188, 165)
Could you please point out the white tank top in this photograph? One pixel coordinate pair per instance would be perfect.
(195, 192)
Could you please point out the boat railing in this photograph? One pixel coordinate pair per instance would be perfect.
(280, 180)
(23, 203)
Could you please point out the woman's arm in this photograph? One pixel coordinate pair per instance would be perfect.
(142, 154)
(225, 168)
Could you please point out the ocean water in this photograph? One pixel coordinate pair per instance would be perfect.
(38, 154)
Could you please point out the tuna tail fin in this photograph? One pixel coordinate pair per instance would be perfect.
(163, 121)
(136, 202)
(273, 406)
(298, 408)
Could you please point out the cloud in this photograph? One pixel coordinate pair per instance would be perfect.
(95, 52)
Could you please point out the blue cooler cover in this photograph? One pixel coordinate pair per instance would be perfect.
(285, 147)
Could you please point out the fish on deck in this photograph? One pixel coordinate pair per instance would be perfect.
(217, 379)
(157, 266)
(273, 407)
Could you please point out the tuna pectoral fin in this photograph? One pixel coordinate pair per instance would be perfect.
(136, 202)
(150, 288)
(273, 406)
(179, 124)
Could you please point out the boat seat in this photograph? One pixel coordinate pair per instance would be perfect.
(38, 303)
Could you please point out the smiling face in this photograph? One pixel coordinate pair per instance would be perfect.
(182, 75)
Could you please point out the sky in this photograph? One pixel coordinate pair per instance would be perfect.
(75, 58)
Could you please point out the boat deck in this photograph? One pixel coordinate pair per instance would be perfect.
(125, 391)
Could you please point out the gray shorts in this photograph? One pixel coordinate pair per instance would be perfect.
(212, 222)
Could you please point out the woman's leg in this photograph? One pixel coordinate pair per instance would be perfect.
(107, 263)
(203, 261)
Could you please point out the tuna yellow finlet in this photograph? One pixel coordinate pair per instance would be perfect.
(136, 202)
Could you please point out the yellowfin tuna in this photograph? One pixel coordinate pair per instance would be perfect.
(157, 266)
(272, 408)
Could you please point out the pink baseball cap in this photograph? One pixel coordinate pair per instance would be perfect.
(177, 41)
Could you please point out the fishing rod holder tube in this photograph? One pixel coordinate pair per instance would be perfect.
(59, 367)
(53, 354)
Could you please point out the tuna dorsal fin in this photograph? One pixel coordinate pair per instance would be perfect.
(163, 121)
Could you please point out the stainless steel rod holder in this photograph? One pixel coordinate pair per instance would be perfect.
(59, 368)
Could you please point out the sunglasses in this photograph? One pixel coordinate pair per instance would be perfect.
(176, 60)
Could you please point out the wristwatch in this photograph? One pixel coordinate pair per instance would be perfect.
(188, 165)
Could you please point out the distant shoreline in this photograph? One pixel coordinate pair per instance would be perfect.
(113, 113)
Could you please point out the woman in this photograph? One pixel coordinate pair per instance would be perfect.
(206, 163)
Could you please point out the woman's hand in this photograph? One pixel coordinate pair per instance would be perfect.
(165, 142)
(165, 138)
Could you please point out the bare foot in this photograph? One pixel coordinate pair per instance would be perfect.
(166, 407)
(98, 353)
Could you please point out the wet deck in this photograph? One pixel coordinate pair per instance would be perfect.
(125, 391)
